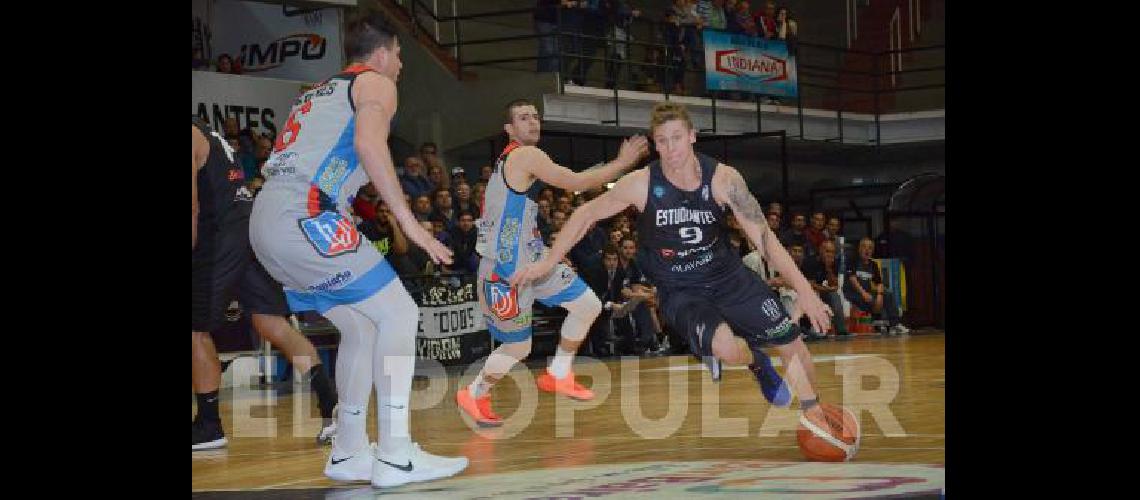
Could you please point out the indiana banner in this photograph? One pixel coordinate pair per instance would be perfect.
(748, 63)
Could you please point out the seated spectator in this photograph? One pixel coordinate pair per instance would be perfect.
(775, 208)
(564, 205)
(547, 193)
(557, 220)
(263, 145)
(477, 192)
(544, 214)
(485, 174)
(421, 262)
(587, 252)
(413, 181)
(797, 235)
(463, 201)
(364, 204)
(429, 154)
(644, 315)
(443, 209)
(774, 223)
(814, 232)
(439, 229)
(863, 288)
(437, 178)
(226, 64)
(386, 235)
(463, 238)
(616, 236)
(606, 280)
(823, 275)
(422, 208)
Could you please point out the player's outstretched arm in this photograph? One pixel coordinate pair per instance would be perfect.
(623, 194)
(537, 163)
(729, 188)
(375, 100)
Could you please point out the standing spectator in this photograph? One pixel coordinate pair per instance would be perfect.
(422, 207)
(572, 18)
(863, 288)
(463, 201)
(691, 24)
(786, 28)
(546, 24)
(463, 238)
(485, 174)
(814, 232)
(743, 18)
(731, 21)
(766, 20)
(619, 18)
(823, 275)
(832, 231)
(711, 13)
(413, 181)
(443, 209)
(594, 28)
(674, 36)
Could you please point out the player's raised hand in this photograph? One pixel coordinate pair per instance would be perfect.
(633, 150)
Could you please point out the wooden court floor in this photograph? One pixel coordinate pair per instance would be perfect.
(658, 428)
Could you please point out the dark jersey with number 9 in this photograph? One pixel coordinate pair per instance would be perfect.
(681, 232)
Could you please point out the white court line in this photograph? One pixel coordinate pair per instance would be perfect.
(775, 362)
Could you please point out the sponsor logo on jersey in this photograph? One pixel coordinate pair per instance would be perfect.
(705, 193)
(502, 298)
(337, 281)
(672, 216)
(333, 176)
(243, 194)
(668, 253)
(658, 191)
(330, 233)
(235, 174)
(771, 309)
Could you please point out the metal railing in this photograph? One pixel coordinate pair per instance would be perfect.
(834, 71)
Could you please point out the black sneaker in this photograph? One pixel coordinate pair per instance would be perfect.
(207, 435)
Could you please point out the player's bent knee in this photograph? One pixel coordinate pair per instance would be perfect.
(586, 306)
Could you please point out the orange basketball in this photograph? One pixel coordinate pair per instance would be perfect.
(834, 437)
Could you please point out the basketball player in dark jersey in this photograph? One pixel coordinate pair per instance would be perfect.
(704, 289)
(224, 268)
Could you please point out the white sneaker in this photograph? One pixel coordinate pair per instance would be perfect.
(419, 466)
(327, 433)
(900, 329)
(357, 467)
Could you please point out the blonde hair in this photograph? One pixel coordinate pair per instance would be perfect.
(667, 111)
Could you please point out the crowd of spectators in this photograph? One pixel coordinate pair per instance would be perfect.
(590, 26)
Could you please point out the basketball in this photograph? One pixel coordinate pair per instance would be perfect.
(832, 437)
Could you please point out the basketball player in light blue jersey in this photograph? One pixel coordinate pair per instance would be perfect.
(335, 141)
(509, 239)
